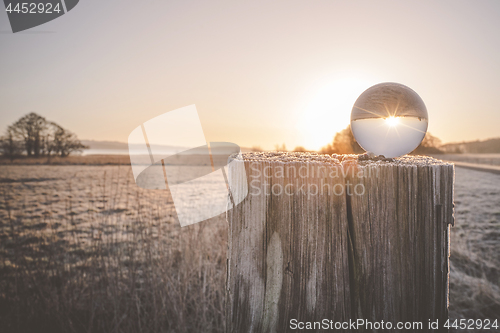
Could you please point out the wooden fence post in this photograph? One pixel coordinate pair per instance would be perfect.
(330, 237)
(400, 234)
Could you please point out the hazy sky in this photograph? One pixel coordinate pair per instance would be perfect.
(259, 72)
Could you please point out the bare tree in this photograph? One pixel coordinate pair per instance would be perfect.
(343, 143)
(300, 149)
(41, 137)
(64, 142)
(429, 145)
(9, 146)
(30, 129)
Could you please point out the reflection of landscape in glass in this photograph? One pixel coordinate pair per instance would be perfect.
(391, 136)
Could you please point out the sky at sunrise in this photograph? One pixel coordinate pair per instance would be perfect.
(260, 72)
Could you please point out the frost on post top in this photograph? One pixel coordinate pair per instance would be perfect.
(334, 159)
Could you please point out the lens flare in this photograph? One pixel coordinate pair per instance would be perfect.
(391, 121)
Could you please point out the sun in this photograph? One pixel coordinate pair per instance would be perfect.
(327, 110)
(391, 121)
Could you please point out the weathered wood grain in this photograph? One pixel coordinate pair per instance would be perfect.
(287, 253)
(400, 234)
(310, 246)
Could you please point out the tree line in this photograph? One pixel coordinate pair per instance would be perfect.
(35, 136)
(345, 143)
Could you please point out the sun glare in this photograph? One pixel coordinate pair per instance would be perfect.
(328, 110)
(391, 121)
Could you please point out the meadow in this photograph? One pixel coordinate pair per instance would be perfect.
(475, 246)
(83, 249)
(488, 159)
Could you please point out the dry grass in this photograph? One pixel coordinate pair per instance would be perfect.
(474, 282)
(104, 256)
(69, 160)
(82, 249)
(475, 247)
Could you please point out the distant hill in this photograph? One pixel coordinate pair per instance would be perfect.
(489, 146)
(122, 148)
(92, 144)
(115, 147)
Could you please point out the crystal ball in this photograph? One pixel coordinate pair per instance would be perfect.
(389, 119)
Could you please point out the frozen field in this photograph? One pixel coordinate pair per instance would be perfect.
(489, 159)
(86, 241)
(83, 249)
(475, 246)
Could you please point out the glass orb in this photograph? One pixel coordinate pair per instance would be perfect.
(389, 119)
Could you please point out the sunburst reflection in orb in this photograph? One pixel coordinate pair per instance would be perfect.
(392, 121)
(389, 119)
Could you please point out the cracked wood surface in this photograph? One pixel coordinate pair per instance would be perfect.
(300, 248)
